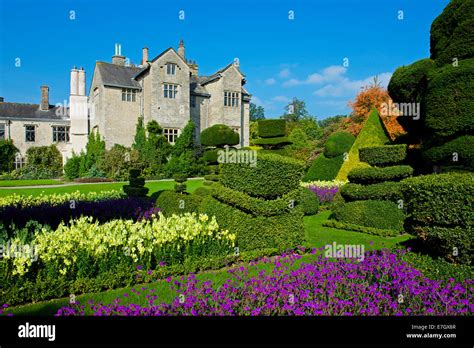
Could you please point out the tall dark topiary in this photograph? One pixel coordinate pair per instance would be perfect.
(136, 186)
(443, 86)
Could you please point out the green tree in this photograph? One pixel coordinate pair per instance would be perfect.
(310, 126)
(7, 155)
(95, 150)
(295, 110)
(256, 112)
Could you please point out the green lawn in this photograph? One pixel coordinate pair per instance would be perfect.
(316, 236)
(14, 183)
(153, 186)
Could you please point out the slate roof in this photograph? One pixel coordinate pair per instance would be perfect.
(118, 76)
(30, 111)
(196, 87)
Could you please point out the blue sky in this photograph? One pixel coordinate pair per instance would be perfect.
(282, 58)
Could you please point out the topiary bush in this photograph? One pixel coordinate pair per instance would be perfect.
(370, 213)
(383, 155)
(324, 168)
(384, 191)
(440, 212)
(309, 202)
(375, 175)
(459, 151)
(219, 135)
(271, 128)
(136, 186)
(338, 143)
(177, 203)
(272, 177)
(273, 141)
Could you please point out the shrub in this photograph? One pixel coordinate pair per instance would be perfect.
(383, 155)
(324, 168)
(444, 154)
(309, 202)
(338, 143)
(72, 167)
(439, 199)
(272, 141)
(211, 177)
(376, 175)
(45, 159)
(177, 203)
(210, 156)
(384, 191)
(202, 191)
(372, 134)
(271, 128)
(377, 214)
(219, 135)
(116, 162)
(454, 243)
(272, 177)
(136, 187)
(358, 228)
(257, 232)
(7, 155)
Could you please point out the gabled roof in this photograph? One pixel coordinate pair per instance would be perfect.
(196, 87)
(217, 75)
(156, 58)
(31, 111)
(114, 75)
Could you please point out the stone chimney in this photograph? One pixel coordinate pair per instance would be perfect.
(181, 49)
(81, 89)
(193, 66)
(144, 55)
(117, 58)
(44, 98)
(74, 79)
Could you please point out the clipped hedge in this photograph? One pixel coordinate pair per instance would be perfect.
(257, 232)
(376, 175)
(257, 206)
(272, 177)
(383, 155)
(449, 101)
(324, 168)
(171, 202)
(273, 141)
(210, 156)
(219, 135)
(363, 229)
(439, 199)
(271, 128)
(338, 143)
(371, 213)
(444, 154)
(384, 191)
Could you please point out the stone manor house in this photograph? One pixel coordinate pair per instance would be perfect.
(167, 88)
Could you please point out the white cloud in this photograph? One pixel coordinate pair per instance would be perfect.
(329, 74)
(270, 81)
(284, 73)
(346, 86)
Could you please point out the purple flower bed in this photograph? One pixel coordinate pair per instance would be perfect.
(53, 215)
(325, 194)
(380, 285)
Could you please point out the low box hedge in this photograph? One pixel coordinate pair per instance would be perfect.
(384, 191)
(375, 175)
(271, 177)
(171, 202)
(273, 141)
(383, 155)
(358, 228)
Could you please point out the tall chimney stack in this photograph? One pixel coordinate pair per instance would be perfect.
(74, 79)
(144, 55)
(117, 58)
(81, 82)
(44, 98)
(181, 49)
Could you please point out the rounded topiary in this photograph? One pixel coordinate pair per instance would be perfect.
(271, 128)
(136, 187)
(219, 135)
(171, 202)
(383, 155)
(309, 202)
(338, 143)
(210, 156)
